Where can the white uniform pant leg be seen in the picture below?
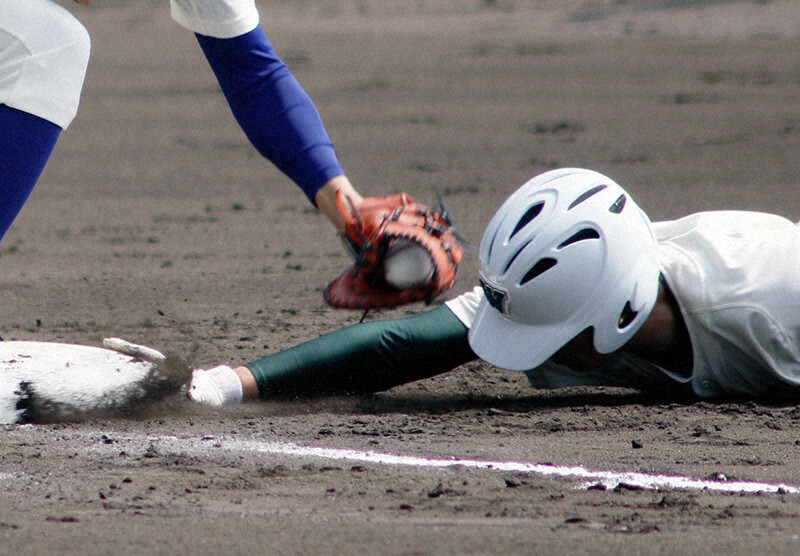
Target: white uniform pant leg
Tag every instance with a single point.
(221, 19)
(44, 52)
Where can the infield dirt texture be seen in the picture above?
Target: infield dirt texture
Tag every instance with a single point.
(157, 222)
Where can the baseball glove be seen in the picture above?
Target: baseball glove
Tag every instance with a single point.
(369, 231)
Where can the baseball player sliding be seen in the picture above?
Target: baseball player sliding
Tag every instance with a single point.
(578, 287)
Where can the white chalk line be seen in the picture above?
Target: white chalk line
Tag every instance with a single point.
(589, 478)
(608, 479)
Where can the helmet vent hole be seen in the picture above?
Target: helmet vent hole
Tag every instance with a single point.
(627, 316)
(529, 215)
(538, 269)
(491, 244)
(584, 234)
(514, 258)
(618, 205)
(585, 195)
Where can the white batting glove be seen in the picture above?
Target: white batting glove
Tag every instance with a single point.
(135, 350)
(218, 386)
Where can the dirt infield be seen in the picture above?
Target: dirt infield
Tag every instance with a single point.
(157, 222)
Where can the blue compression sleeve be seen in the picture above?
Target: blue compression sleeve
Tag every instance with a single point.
(275, 112)
(367, 357)
(26, 142)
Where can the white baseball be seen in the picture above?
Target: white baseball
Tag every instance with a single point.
(407, 265)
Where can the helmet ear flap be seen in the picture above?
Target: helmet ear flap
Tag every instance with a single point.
(638, 303)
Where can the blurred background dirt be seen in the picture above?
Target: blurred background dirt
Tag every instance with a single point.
(156, 221)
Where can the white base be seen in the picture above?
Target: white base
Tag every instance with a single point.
(77, 378)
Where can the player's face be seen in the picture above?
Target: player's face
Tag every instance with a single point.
(579, 354)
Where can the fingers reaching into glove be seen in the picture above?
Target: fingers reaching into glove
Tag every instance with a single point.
(135, 350)
(326, 199)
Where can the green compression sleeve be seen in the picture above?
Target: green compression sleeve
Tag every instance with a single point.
(367, 357)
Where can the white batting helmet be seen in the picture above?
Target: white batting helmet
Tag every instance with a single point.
(569, 250)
